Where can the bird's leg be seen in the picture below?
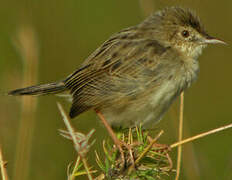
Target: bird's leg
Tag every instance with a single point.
(117, 142)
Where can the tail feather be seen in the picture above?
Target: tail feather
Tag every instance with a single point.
(43, 89)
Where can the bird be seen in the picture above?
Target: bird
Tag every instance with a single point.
(135, 75)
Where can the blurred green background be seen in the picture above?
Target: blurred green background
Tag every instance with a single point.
(42, 41)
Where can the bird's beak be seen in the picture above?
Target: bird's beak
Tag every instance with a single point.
(212, 40)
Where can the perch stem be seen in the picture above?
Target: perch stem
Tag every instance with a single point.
(201, 135)
(179, 153)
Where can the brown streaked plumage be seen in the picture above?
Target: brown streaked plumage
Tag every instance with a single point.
(136, 74)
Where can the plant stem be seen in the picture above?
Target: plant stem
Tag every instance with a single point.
(201, 135)
(86, 168)
(72, 134)
(72, 177)
(3, 169)
(179, 153)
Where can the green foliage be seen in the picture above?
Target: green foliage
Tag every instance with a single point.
(153, 164)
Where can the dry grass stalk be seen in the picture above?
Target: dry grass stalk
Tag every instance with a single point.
(179, 151)
(200, 136)
(80, 141)
(3, 167)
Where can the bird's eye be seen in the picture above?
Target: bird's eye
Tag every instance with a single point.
(185, 33)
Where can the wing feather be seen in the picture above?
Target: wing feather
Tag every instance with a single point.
(118, 69)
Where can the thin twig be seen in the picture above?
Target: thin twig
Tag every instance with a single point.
(87, 168)
(72, 134)
(201, 135)
(179, 153)
(3, 168)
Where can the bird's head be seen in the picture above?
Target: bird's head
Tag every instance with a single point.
(181, 29)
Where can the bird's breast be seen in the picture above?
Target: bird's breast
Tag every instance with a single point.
(145, 109)
(150, 106)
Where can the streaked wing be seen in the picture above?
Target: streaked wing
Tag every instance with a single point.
(119, 69)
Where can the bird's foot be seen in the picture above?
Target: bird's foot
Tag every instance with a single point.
(126, 153)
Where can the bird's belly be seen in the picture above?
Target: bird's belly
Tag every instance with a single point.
(147, 109)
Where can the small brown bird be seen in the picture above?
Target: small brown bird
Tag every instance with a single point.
(137, 73)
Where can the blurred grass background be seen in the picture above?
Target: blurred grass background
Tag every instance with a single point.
(42, 41)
